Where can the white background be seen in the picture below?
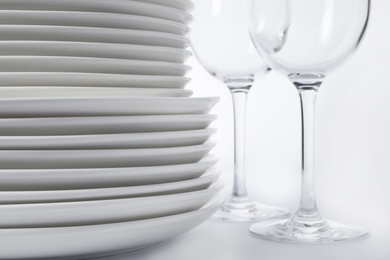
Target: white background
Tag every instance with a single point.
(352, 157)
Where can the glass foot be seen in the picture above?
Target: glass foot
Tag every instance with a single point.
(323, 231)
(248, 211)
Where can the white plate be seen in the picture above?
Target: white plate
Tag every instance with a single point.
(104, 211)
(103, 124)
(185, 5)
(70, 159)
(96, 240)
(90, 80)
(60, 179)
(107, 141)
(51, 107)
(90, 65)
(87, 19)
(93, 50)
(60, 92)
(90, 34)
(101, 6)
(44, 196)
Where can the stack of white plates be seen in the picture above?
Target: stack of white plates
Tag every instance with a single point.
(102, 150)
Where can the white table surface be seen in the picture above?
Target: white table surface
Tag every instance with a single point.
(231, 241)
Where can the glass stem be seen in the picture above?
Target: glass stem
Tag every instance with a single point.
(308, 208)
(239, 97)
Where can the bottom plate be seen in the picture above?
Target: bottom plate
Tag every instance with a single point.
(79, 213)
(97, 240)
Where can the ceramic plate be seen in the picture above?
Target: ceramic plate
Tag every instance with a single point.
(90, 80)
(185, 5)
(96, 240)
(68, 159)
(51, 107)
(90, 65)
(108, 141)
(87, 19)
(101, 6)
(93, 50)
(24, 197)
(59, 92)
(104, 211)
(103, 124)
(60, 179)
(90, 34)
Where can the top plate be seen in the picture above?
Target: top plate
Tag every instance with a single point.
(112, 6)
(88, 19)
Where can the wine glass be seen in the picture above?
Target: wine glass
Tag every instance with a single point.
(305, 40)
(221, 43)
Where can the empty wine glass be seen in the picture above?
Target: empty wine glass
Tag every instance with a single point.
(222, 45)
(305, 40)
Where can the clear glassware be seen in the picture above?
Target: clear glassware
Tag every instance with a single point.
(221, 42)
(305, 40)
